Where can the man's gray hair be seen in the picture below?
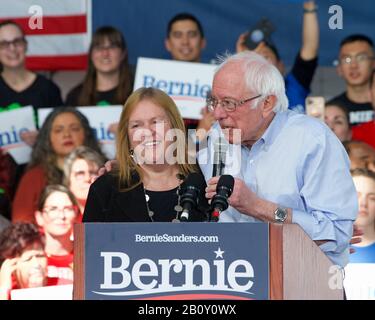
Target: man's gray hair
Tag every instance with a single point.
(260, 76)
(81, 152)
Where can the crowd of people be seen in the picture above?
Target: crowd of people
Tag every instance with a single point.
(307, 182)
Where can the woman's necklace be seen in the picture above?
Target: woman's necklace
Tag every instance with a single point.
(177, 207)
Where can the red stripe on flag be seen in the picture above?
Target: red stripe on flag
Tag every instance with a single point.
(53, 25)
(76, 62)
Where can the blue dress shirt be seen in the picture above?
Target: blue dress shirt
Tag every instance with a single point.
(300, 164)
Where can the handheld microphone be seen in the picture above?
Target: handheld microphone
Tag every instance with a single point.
(224, 190)
(220, 149)
(195, 184)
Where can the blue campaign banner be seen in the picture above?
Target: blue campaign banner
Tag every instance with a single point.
(176, 261)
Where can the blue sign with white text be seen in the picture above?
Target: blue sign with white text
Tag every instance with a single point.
(176, 261)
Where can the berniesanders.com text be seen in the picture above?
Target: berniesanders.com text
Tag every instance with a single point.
(175, 238)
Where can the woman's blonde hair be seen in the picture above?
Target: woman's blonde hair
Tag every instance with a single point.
(127, 166)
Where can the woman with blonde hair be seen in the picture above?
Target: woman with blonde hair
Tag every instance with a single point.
(152, 165)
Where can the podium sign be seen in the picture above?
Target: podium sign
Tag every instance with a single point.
(176, 261)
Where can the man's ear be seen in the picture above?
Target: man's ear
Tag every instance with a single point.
(268, 104)
(203, 43)
(167, 45)
(281, 67)
(339, 71)
(124, 55)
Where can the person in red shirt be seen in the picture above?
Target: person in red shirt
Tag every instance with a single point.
(57, 212)
(23, 262)
(366, 131)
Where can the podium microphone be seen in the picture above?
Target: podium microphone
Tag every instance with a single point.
(195, 184)
(220, 149)
(224, 190)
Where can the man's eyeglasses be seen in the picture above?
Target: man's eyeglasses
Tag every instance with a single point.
(359, 58)
(228, 104)
(53, 212)
(18, 43)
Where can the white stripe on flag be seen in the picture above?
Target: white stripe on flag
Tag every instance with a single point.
(20, 8)
(57, 45)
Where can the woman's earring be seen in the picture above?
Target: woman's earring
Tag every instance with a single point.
(132, 154)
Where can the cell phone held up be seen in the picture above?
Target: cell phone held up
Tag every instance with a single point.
(260, 32)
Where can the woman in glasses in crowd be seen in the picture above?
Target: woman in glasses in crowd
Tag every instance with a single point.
(80, 169)
(57, 212)
(109, 78)
(19, 86)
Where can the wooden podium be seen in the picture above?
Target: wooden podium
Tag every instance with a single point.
(297, 268)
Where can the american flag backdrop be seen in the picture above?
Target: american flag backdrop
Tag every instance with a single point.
(63, 41)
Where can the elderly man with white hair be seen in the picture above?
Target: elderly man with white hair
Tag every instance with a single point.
(290, 167)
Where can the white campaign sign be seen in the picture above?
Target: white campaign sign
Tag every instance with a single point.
(61, 292)
(12, 123)
(187, 83)
(359, 281)
(99, 118)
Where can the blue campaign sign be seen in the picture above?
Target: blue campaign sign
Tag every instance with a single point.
(176, 261)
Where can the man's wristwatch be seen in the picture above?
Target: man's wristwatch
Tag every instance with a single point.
(280, 214)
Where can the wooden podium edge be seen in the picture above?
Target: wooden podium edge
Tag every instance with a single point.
(79, 262)
(306, 268)
(276, 262)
